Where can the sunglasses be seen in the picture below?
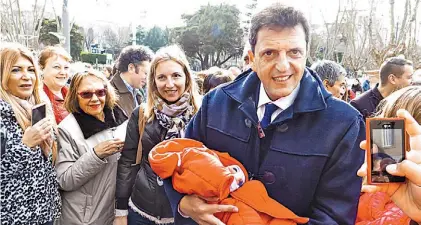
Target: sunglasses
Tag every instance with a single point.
(90, 94)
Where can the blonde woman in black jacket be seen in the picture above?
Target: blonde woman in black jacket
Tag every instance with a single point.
(172, 102)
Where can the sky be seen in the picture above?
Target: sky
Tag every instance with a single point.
(167, 13)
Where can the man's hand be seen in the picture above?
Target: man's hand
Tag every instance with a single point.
(202, 212)
(407, 196)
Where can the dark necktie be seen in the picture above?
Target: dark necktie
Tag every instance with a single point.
(269, 110)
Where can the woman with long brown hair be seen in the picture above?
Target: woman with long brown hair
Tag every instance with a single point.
(29, 189)
(172, 100)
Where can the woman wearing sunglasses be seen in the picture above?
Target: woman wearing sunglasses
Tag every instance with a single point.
(29, 189)
(172, 100)
(89, 150)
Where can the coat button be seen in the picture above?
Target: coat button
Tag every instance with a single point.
(269, 177)
(159, 181)
(248, 123)
(282, 128)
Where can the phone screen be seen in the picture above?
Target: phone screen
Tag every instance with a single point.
(387, 147)
(38, 113)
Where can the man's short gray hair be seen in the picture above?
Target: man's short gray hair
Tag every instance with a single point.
(328, 70)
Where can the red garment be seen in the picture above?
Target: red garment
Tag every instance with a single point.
(58, 104)
(378, 209)
(351, 94)
(196, 169)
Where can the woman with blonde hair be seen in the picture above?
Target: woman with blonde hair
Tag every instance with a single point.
(399, 202)
(29, 190)
(55, 64)
(172, 100)
(91, 138)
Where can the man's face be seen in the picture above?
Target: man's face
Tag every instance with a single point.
(279, 59)
(139, 74)
(338, 89)
(406, 78)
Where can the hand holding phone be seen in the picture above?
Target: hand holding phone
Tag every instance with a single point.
(36, 134)
(406, 195)
(387, 143)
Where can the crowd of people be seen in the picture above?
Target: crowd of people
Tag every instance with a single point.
(296, 131)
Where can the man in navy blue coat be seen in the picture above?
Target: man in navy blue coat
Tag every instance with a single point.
(287, 130)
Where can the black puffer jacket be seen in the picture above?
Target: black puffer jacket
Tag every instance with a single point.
(140, 182)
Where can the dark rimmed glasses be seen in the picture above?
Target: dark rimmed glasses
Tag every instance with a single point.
(89, 94)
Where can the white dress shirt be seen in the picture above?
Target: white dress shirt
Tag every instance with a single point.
(282, 103)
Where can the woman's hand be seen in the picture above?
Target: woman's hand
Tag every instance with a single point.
(407, 196)
(107, 148)
(35, 135)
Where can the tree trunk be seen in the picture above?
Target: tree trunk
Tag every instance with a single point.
(402, 32)
(205, 62)
(14, 28)
(370, 26)
(39, 22)
(414, 22)
(392, 21)
(66, 26)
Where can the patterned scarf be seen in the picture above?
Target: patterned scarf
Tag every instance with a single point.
(173, 117)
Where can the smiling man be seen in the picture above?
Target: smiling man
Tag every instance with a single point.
(281, 123)
(133, 65)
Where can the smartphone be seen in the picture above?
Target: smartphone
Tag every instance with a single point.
(387, 143)
(38, 113)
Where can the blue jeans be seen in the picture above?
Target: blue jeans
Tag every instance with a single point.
(135, 218)
(48, 223)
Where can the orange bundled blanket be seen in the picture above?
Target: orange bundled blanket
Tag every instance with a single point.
(198, 170)
(378, 209)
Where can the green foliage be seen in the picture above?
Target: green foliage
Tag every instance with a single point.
(154, 38)
(92, 58)
(140, 35)
(45, 36)
(212, 35)
(49, 36)
(76, 41)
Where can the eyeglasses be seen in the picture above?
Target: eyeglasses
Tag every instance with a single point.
(90, 94)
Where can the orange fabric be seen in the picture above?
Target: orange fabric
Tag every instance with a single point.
(196, 169)
(378, 209)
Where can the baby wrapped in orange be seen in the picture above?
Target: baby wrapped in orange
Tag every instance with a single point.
(378, 209)
(198, 170)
